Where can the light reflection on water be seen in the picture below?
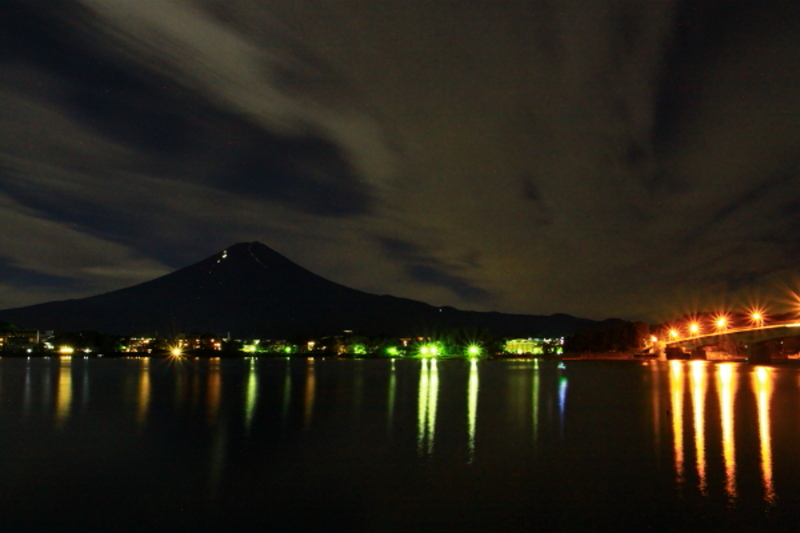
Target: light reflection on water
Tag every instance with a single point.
(763, 384)
(64, 402)
(699, 378)
(535, 401)
(428, 400)
(715, 426)
(251, 394)
(310, 393)
(472, 407)
(214, 388)
(144, 391)
(562, 401)
(727, 387)
(676, 380)
(728, 376)
(391, 399)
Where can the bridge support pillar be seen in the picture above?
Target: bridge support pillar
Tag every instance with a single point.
(699, 353)
(759, 353)
(676, 352)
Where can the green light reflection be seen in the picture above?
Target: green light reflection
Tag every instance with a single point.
(432, 401)
(422, 404)
(535, 401)
(311, 387)
(391, 399)
(251, 395)
(426, 414)
(472, 405)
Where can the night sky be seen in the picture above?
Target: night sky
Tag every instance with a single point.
(635, 159)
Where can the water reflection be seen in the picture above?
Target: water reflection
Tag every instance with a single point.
(655, 395)
(64, 398)
(213, 389)
(472, 407)
(287, 391)
(562, 401)
(310, 392)
(180, 382)
(143, 401)
(699, 387)
(677, 381)
(85, 386)
(713, 458)
(727, 381)
(763, 385)
(47, 390)
(426, 411)
(726, 386)
(535, 401)
(391, 399)
(26, 399)
(251, 394)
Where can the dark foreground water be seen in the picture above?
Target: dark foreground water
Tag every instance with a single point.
(410, 445)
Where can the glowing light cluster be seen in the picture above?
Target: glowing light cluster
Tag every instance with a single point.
(430, 350)
(720, 322)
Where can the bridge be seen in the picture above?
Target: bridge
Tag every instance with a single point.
(761, 341)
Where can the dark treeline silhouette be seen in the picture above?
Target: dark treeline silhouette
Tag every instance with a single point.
(613, 336)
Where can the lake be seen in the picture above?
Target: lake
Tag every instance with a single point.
(267, 444)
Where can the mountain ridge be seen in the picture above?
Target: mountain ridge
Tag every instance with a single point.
(249, 289)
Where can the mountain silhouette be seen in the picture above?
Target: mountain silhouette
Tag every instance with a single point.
(249, 290)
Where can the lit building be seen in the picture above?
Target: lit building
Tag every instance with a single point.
(19, 339)
(531, 346)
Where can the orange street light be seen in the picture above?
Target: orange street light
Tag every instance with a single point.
(721, 323)
(673, 333)
(694, 328)
(757, 318)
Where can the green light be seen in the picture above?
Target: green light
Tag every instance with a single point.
(391, 350)
(473, 350)
(288, 349)
(424, 350)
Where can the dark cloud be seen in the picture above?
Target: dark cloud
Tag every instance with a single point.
(171, 126)
(422, 267)
(438, 276)
(703, 34)
(15, 275)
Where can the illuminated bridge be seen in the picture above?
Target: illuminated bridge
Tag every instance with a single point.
(761, 341)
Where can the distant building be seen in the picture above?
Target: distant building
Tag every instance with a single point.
(532, 346)
(139, 345)
(19, 340)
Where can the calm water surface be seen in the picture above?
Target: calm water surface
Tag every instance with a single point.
(407, 445)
